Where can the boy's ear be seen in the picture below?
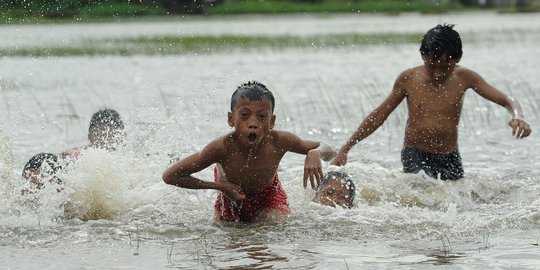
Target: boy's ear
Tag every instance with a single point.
(425, 58)
(230, 119)
(272, 121)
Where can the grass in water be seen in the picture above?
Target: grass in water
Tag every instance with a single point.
(328, 6)
(175, 45)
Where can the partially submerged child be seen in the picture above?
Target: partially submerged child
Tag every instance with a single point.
(247, 160)
(336, 189)
(41, 169)
(106, 131)
(434, 93)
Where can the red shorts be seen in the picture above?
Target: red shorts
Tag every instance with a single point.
(272, 198)
(71, 153)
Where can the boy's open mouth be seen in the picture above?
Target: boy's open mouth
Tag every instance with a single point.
(252, 136)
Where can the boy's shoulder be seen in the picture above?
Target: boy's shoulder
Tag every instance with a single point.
(283, 138)
(73, 152)
(406, 79)
(281, 134)
(463, 71)
(223, 141)
(410, 73)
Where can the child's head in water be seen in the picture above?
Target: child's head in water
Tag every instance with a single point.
(106, 129)
(252, 113)
(337, 188)
(42, 166)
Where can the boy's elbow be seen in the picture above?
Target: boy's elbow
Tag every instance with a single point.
(168, 178)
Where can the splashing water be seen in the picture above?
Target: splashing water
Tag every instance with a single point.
(114, 210)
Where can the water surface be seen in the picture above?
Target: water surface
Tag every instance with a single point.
(177, 104)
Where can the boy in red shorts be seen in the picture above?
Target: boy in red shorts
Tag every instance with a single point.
(247, 160)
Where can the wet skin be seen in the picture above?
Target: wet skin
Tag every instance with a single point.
(37, 178)
(334, 192)
(434, 93)
(248, 158)
(106, 137)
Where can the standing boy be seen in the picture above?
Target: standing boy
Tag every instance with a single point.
(247, 160)
(434, 93)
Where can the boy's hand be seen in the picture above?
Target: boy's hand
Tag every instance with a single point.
(520, 128)
(232, 191)
(340, 160)
(313, 168)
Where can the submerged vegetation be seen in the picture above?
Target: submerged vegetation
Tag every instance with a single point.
(172, 45)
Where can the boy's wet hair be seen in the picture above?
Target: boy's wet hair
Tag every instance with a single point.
(105, 117)
(252, 90)
(36, 162)
(440, 40)
(349, 184)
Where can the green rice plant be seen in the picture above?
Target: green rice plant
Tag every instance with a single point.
(176, 45)
(329, 6)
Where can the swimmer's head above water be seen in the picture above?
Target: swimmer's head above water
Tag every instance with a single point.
(106, 129)
(42, 167)
(337, 188)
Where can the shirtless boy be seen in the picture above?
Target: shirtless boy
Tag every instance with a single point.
(434, 93)
(247, 160)
(106, 131)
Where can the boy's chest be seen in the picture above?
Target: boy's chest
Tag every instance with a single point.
(255, 165)
(447, 96)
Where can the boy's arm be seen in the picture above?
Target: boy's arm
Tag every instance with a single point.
(374, 120)
(314, 151)
(520, 128)
(179, 174)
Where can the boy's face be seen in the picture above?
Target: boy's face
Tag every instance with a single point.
(334, 192)
(107, 137)
(39, 175)
(440, 69)
(252, 120)
(33, 175)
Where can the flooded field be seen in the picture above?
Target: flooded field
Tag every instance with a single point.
(175, 104)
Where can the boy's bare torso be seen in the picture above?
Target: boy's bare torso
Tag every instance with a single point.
(253, 169)
(434, 110)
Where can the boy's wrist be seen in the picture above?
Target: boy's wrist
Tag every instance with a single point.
(314, 150)
(346, 148)
(215, 185)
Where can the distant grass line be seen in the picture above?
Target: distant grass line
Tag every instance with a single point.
(177, 45)
(110, 11)
(329, 6)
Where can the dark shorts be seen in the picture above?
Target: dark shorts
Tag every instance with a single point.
(445, 167)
